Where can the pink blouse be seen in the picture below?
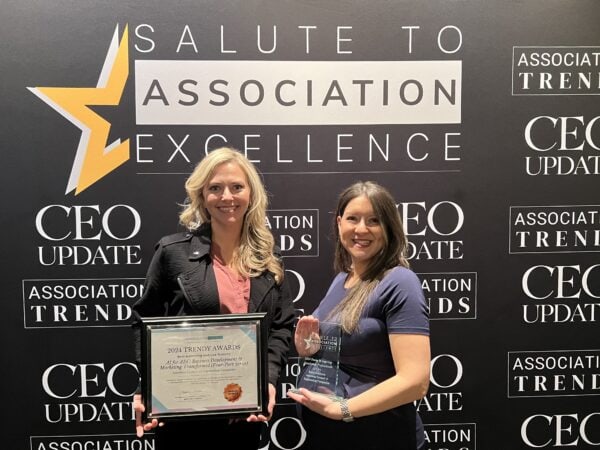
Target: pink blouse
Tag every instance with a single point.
(234, 290)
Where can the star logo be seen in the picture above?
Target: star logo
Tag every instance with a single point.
(307, 343)
(95, 158)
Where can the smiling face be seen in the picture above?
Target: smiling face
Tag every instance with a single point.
(360, 231)
(227, 196)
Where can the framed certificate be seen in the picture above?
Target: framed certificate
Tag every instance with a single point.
(204, 366)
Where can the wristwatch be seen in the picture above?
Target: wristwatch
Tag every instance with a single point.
(346, 414)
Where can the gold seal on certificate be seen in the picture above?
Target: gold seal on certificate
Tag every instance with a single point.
(204, 366)
(232, 392)
(320, 372)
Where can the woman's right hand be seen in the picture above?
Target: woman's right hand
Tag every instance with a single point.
(306, 337)
(138, 407)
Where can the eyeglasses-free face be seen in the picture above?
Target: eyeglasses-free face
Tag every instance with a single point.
(227, 195)
(360, 231)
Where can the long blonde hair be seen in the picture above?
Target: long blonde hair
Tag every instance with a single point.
(392, 253)
(255, 253)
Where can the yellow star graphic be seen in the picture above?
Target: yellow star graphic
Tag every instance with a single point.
(94, 158)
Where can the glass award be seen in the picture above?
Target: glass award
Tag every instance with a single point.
(320, 372)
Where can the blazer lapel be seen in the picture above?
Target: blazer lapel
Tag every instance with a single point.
(259, 287)
(198, 280)
(200, 289)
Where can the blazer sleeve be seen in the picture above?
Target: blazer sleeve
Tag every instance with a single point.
(281, 331)
(151, 303)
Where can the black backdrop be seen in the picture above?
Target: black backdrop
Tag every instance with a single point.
(480, 117)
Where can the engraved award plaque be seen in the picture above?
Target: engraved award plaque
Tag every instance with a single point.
(320, 372)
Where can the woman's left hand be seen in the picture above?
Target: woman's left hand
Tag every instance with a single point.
(270, 406)
(324, 405)
(306, 337)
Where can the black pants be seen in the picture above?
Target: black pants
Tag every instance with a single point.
(196, 434)
(390, 430)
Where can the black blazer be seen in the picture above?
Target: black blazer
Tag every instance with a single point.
(181, 281)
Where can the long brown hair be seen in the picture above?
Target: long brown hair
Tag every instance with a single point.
(392, 253)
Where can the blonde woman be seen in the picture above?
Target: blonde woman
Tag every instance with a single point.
(225, 263)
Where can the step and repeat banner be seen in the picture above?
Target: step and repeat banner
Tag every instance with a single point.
(481, 117)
